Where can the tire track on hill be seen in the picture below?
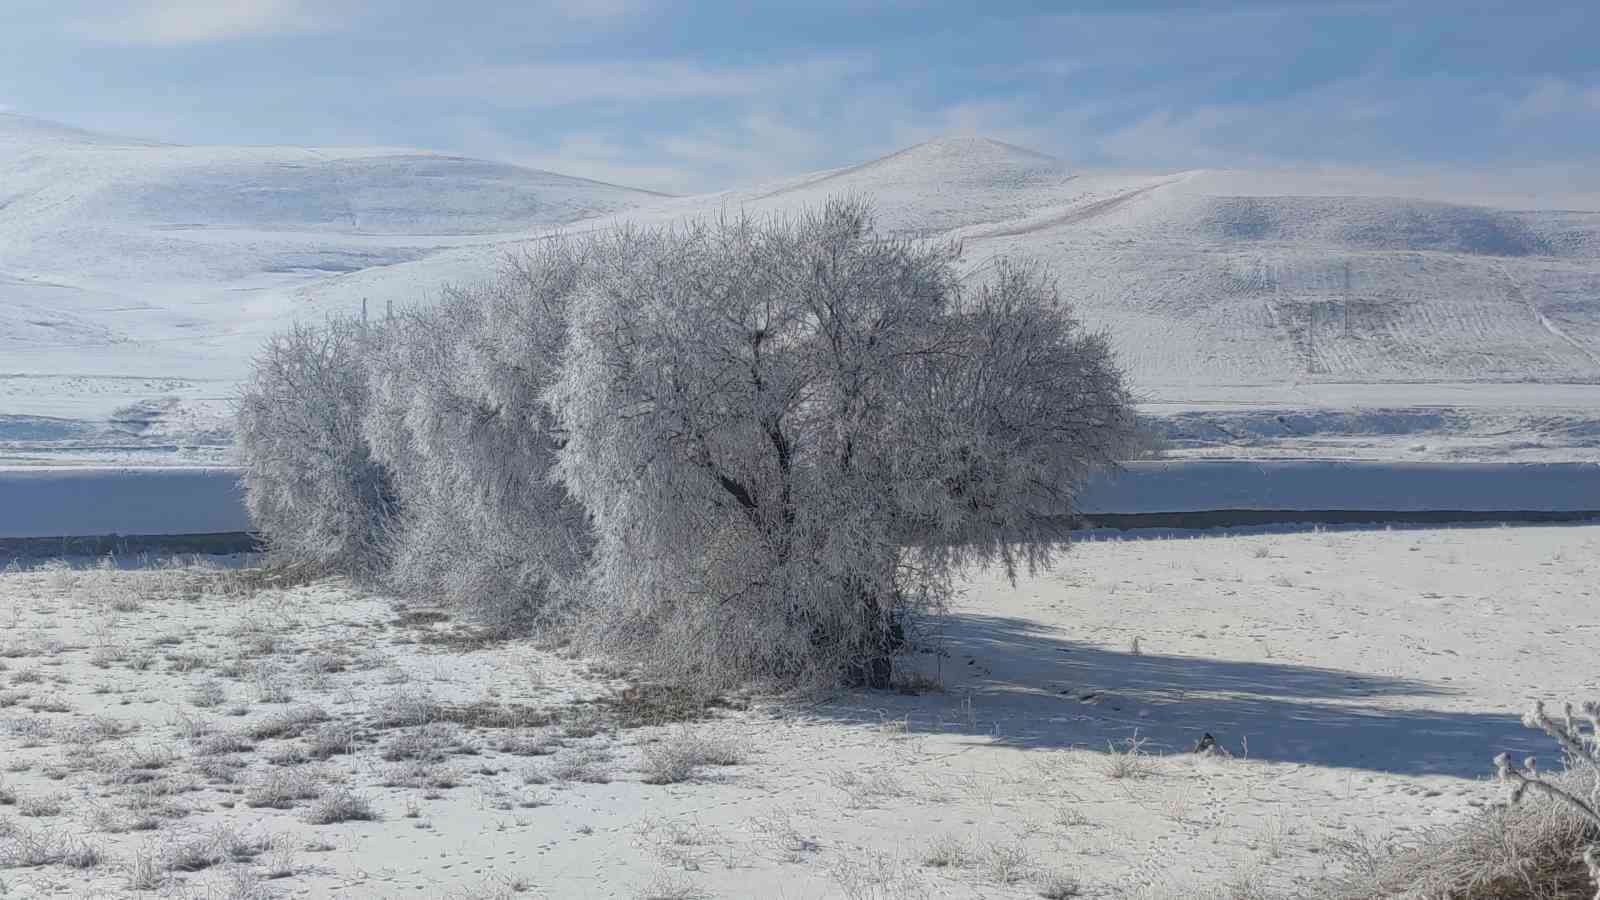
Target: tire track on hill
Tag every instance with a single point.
(869, 165)
(1514, 292)
(1075, 215)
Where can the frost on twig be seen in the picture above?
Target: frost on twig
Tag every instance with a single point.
(1581, 749)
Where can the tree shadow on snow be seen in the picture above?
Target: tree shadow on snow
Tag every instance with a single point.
(1021, 685)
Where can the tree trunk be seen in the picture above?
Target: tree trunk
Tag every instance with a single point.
(884, 635)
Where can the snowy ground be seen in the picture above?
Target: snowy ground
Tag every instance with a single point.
(158, 733)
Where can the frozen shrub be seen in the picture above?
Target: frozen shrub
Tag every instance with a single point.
(341, 806)
(312, 488)
(281, 789)
(458, 416)
(727, 452)
(679, 756)
(791, 435)
(1540, 846)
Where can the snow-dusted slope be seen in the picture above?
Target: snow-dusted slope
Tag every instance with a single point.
(1228, 278)
(121, 257)
(124, 258)
(1222, 277)
(107, 244)
(939, 185)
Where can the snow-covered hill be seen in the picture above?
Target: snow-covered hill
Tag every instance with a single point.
(1217, 277)
(127, 264)
(1230, 288)
(111, 250)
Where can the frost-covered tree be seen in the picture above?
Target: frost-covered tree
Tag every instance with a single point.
(790, 435)
(311, 486)
(729, 451)
(457, 415)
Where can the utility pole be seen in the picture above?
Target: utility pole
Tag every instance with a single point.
(1311, 337)
(1347, 298)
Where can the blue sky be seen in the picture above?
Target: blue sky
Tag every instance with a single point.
(686, 97)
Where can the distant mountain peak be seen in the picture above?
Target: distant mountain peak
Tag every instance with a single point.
(976, 145)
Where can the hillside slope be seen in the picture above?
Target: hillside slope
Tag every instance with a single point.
(1217, 277)
(108, 243)
(1231, 288)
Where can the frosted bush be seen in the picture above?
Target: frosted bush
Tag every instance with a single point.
(1543, 845)
(791, 435)
(311, 486)
(457, 414)
(725, 452)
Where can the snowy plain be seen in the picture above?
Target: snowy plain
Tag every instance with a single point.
(1360, 681)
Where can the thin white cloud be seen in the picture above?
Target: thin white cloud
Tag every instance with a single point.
(1002, 120)
(596, 12)
(196, 21)
(1344, 121)
(549, 84)
(168, 22)
(1198, 136)
(1046, 69)
(1554, 98)
(582, 154)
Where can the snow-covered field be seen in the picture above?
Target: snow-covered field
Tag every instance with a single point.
(1307, 341)
(192, 732)
(1389, 317)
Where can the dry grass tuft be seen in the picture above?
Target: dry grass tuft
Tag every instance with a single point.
(1057, 885)
(341, 805)
(495, 887)
(536, 743)
(208, 694)
(1008, 863)
(432, 743)
(222, 743)
(287, 723)
(1543, 845)
(671, 886)
(947, 852)
(1527, 851)
(143, 872)
(582, 765)
(470, 638)
(332, 739)
(913, 683)
(409, 709)
(679, 756)
(778, 833)
(420, 618)
(24, 848)
(40, 807)
(1130, 761)
(281, 789)
(651, 704)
